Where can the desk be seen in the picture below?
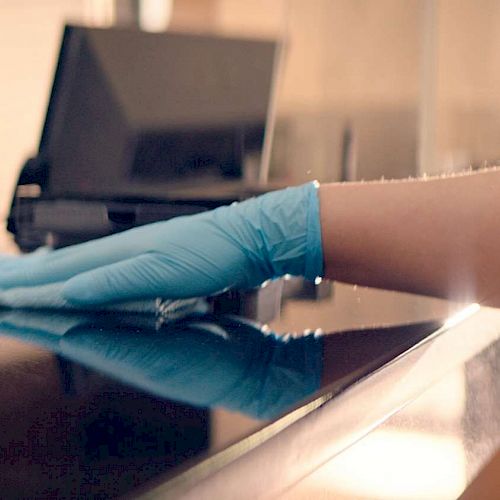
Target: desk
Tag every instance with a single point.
(111, 405)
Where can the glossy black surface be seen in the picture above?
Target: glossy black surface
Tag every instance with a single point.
(100, 404)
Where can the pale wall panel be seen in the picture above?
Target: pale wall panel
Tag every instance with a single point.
(29, 42)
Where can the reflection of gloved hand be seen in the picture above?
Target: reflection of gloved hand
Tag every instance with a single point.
(203, 361)
(238, 246)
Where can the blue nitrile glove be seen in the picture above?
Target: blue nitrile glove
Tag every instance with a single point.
(237, 246)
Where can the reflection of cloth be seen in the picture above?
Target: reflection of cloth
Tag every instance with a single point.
(202, 360)
(50, 297)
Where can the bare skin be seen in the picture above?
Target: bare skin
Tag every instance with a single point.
(439, 236)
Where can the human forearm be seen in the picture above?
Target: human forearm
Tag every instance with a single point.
(437, 237)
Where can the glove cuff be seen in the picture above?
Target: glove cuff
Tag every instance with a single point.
(279, 232)
(314, 256)
(289, 224)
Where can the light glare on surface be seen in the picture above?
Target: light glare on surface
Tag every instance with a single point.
(461, 315)
(393, 464)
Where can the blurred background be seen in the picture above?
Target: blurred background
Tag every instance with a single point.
(368, 88)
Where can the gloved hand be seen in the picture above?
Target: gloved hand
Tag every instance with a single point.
(237, 246)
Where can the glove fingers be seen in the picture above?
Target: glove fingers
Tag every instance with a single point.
(7, 261)
(60, 265)
(144, 277)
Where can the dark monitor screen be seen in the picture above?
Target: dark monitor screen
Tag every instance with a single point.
(136, 114)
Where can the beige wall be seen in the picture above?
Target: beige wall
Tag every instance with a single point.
(468, 82)
(362, 63)
(29, 39)
(346, 63)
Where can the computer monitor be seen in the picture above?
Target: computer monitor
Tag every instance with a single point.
(138, 115)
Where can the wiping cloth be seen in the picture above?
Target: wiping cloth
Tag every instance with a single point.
(50, 297)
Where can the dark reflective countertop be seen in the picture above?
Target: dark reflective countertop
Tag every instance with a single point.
(107, 404)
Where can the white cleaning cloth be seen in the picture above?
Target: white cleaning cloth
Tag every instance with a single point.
(50, 297)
